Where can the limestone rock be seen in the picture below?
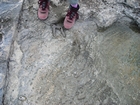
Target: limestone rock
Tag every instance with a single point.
(96, 63)
(9, 16)
(106, 17)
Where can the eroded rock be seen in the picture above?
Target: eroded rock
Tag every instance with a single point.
(88, 66)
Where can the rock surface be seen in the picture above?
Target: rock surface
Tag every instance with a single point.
(97, 63)
(9, 16)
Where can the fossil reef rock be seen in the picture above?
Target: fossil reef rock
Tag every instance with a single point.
(97, 62)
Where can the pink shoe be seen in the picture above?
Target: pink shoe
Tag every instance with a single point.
(43, 9)
(71, 17)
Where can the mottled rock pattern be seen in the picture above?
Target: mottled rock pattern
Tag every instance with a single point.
(9, 16)
(96, 64)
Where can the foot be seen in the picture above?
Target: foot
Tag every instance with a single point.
(43, 9)
(71, 17)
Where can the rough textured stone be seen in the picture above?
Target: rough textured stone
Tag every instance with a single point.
(97, 63)
(9, 16)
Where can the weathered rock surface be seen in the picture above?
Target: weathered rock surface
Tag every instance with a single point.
(97, 63)
(9, 15)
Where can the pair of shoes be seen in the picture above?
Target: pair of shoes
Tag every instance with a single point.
(70, 17)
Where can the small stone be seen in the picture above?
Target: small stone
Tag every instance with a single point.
(81, 96)
(7, 18)
(22, 98)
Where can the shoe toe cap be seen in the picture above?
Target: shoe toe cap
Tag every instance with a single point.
(68, 23)
(42, 14)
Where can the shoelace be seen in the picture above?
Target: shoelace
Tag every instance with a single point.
(43, 4)
(71, 15)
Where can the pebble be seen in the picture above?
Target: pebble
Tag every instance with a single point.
(22, 98)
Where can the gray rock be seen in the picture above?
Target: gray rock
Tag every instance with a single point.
(97, 63)
(106, 17)
(9, 15)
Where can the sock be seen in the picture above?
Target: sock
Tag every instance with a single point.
(74, 5)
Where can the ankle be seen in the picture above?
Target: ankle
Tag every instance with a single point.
(74, 5)
(74, 8)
